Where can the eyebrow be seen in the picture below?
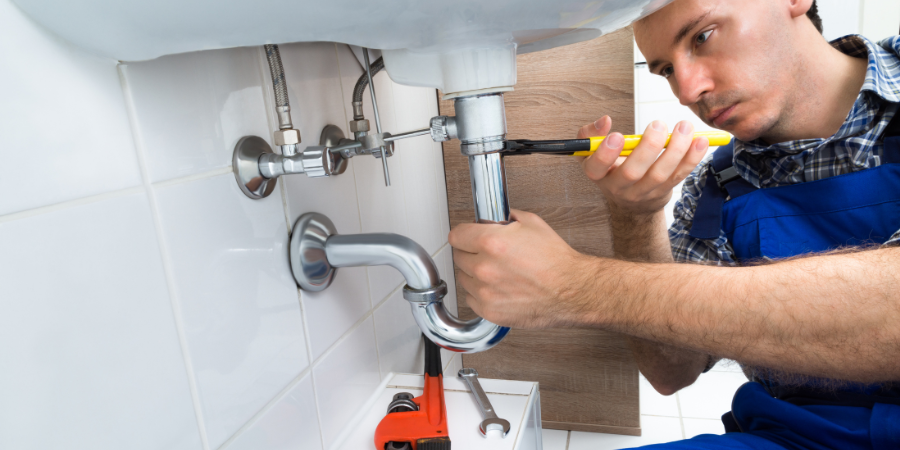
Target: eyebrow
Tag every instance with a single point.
(682, 33)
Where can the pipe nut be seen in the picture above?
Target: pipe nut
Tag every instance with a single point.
(287, 137)
(358, 126)
(434, 294)
(443, 128)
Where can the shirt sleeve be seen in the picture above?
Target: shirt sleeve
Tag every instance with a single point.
(686, 248)
(894, 241)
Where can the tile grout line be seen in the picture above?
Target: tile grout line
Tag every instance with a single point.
(70, 203)
(372, 307)
(168, 271)
(311, 366)
(267, 407)
(194, 177)
(268, 95)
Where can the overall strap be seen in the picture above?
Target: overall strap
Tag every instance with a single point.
(892, 135)
(722, 182)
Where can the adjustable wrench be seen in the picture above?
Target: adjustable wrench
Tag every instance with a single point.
(491, 422)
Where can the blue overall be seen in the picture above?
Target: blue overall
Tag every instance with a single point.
(858, 208)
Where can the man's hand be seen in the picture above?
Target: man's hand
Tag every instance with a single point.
(642, 183)
(520, 275)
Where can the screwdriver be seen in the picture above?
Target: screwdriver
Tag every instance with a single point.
(587, 147)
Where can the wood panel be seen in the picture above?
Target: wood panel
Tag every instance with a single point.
(588, 379)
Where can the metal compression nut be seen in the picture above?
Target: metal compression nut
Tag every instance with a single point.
(287, 137)
(434, 294)
(357, 126)
(443, 128)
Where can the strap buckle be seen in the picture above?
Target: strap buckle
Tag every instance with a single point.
(725, 176)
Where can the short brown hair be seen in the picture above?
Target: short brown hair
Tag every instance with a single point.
(813, 15)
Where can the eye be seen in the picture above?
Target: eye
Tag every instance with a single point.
(667, 71)
(703, 37)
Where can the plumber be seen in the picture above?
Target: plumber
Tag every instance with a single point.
(782, 255)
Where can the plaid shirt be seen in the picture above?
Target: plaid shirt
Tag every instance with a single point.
(856, 146)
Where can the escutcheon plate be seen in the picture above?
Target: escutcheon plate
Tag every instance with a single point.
(309, 264)
(245, 164)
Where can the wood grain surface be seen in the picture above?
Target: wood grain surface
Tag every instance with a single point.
(588, 379)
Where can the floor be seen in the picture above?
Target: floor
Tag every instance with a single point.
(692, 411)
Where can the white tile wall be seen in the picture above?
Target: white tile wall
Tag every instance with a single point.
(192, 108)
(90, 354)
(62, 111)
(291, 424)
(241, 312)
(170, 319)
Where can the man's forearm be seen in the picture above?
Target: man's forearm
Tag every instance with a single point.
(831, 315)
(668, 368)
(640, 238)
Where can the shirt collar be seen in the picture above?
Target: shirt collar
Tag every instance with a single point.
(882, 79)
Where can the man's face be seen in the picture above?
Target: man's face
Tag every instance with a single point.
(731, 61)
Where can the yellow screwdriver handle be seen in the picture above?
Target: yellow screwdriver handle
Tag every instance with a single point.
(716, 138)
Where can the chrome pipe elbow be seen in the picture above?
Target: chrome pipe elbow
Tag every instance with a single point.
(316, 251)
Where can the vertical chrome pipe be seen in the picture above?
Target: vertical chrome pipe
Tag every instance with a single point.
(481, 128)
(489, 188)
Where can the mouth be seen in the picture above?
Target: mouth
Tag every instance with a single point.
(719, 116)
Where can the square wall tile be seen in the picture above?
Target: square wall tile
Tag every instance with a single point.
(290, 424)
(238, 298)
(400, 345)
(91, 356)
(452, 364)
(330, 313)
(710, 396)
(192, 108)
(345, 379)
(555, 439)
(317, 100)
(653, 88)
(64, 107)
(382, 209)
(655, 404)
(696, 427)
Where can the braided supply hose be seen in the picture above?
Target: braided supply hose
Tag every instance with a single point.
(282, 104)
(360, 88)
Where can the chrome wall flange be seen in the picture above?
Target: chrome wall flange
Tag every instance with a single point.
(257, 168)
(245, 163)
(309, 263)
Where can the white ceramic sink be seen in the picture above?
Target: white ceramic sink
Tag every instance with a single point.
(454, 45)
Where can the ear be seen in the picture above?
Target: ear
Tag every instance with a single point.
(798, 8)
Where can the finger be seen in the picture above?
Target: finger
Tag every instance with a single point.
(464, 261)
(465, 236)
(660, 173)
(644, 155)
(597, 165)
(522, 216)
(688, 163)
(691, 159)
(600, 127)
(469, 284)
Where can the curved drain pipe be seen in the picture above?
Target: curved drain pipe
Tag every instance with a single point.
(317, 251)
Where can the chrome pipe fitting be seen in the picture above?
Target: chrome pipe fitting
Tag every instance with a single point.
(257, 168)
(316, 251)
(480, 126)
(480, 123)
(488, 176)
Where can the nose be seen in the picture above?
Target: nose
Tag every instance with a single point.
(691, 82)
